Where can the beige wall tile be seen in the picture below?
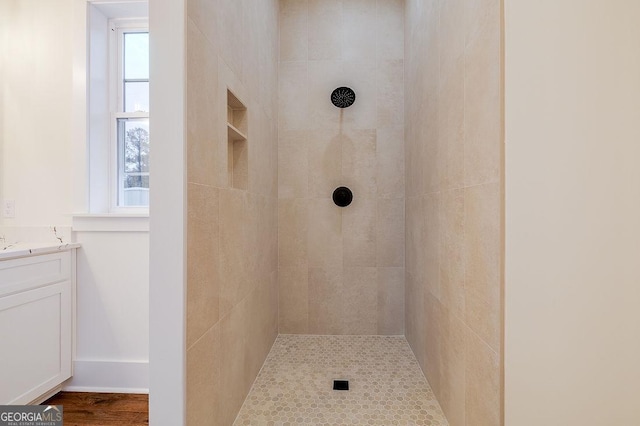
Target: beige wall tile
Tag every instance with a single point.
(390, 82)
(482, 379)
(359, 162)
(293, 95)
(483, 317)
(359, 233)
(453, 364)
(434, 331)
(390, 241)
(482, 241)
(202, 108)
(325, 37)
(415, 320)
(451, 126)
(359, 30)
(341, 150)
(203, 283)
(230, 21)
(390, 180)
(390, 29)
(359, 301)
(391, 301)
(452, 285)
(294, 30)
(293, 164)
(432, 244)
(325, 163)
(324, 77)
(203, 377)
(234, 243)
(232, 364)
(324, 241)
(294, 300)
(482, 92)
(325, 300)
(361, 76)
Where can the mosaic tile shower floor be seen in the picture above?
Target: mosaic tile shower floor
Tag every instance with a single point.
(295, 386)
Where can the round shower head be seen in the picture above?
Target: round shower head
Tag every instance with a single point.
(343, 97)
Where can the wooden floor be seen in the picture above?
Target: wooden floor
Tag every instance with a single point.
(103, 409)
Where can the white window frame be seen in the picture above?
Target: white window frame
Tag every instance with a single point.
(117, 29)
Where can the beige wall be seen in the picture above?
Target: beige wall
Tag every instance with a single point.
(572, 316)
(341, 269)
(232, 295)
(453, 210)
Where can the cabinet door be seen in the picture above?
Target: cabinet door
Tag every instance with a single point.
(35, 342)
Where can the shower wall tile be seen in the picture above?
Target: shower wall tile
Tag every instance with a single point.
(203, 376)
(203, 283)
(390, 233)
(232, 363)
(391, 301)
(452, 373)
(326, 300)
(361, 77)
(232, 235)
(482, 260)
(483, 92)
(451, 116)
(482, 381)
(293, 104)
(323, 77)
(293, 181)
(202, 109)
(359, 30)
(294, 300)
(293, 226)
(453, 206)
(390, 83)
(452, 272)
(294, 30)
(390, 29)
(359, 164)
(358, 44)
(324, 236)
(390, 176)
(359, 236)
(359, 301)
(324, 162)
(325, 29)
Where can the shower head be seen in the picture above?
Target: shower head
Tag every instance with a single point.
(343, 97)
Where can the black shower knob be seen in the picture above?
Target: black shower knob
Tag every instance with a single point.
(342, 196)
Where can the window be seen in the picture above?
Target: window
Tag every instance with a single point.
(129, 94)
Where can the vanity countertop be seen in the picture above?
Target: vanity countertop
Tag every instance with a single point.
(12, 251)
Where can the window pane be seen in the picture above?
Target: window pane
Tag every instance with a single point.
(136, 97)
(133, 159)
(136, 56)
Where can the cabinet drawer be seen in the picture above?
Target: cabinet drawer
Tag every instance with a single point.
(34, 271)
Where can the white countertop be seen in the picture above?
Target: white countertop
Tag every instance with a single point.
(11, 251)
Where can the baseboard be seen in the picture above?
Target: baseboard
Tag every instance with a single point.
(109, 376)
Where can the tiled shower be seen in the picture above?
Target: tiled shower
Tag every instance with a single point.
(416, 254)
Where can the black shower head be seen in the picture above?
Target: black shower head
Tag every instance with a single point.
(343, 97)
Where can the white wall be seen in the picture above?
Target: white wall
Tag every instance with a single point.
(572, 342)
(36, 128)
(43, 168)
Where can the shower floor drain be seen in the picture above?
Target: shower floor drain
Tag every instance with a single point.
(341, 385)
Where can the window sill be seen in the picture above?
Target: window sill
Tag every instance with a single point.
(110, 223)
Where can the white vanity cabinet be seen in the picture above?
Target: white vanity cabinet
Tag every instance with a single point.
(37, 313)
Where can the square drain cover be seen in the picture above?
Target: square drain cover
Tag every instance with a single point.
(341, 385)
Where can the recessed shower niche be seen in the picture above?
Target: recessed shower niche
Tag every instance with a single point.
(238, 157)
